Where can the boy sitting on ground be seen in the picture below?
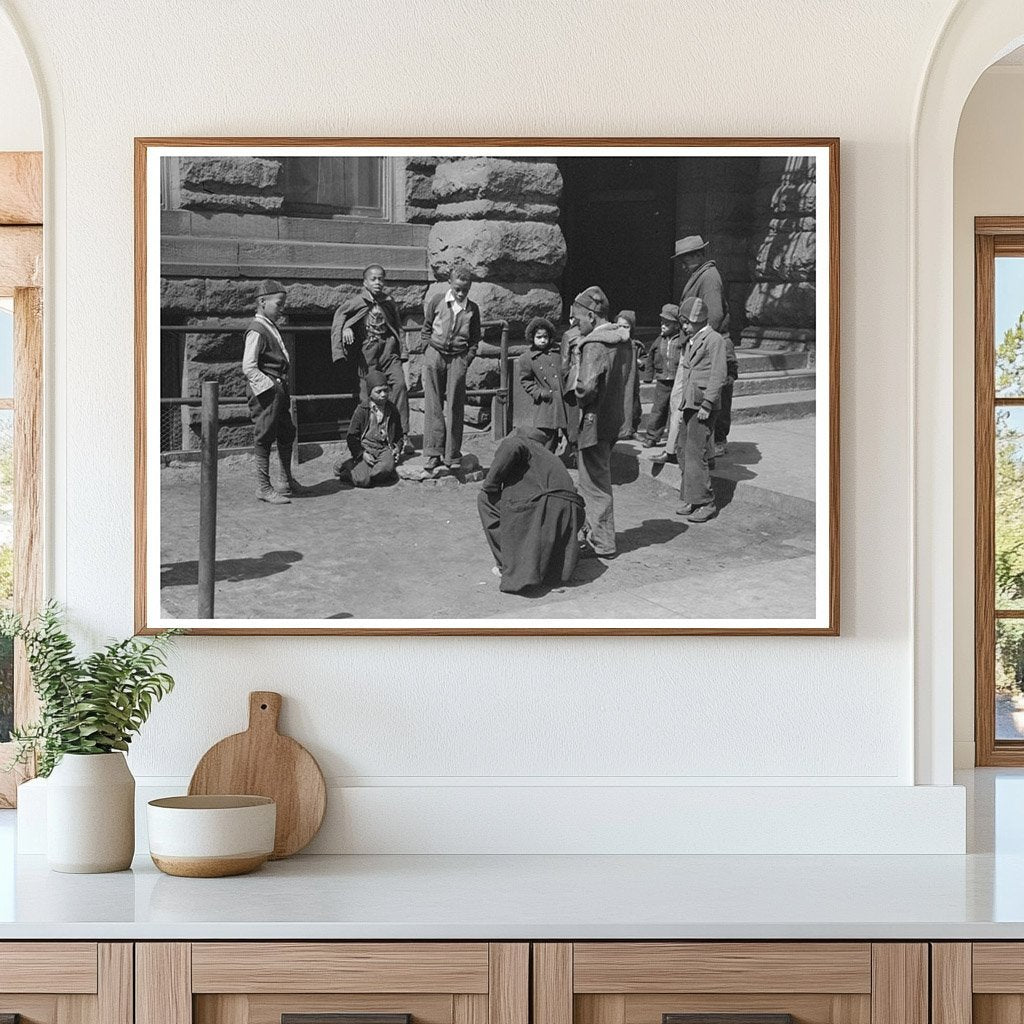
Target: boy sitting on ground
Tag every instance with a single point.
(374, 435)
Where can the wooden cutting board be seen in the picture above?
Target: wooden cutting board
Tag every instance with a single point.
(262, 762)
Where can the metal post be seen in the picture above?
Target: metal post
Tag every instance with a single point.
(210, 420)
(501, 403)
(293, 408)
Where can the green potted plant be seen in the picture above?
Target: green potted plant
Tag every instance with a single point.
(89, 710)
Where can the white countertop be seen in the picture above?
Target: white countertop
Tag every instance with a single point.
(517, 897)
(977, 896)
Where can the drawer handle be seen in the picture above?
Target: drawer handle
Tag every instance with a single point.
(339, 1018)
(727, 1018)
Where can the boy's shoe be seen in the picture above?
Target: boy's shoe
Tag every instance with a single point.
(272, 497)
(685, 509)
(649, 442)
(664, 458)
(702, 513)
(432, 463)
(720, 449)
(455, 462)
(408, 449)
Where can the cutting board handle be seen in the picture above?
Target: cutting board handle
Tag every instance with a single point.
(264, 710)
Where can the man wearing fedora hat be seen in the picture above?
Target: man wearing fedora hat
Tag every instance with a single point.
(604, 393)
(265, 366)
(703, 279)
(700, 379)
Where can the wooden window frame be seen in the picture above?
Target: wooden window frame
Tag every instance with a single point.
(21, 278)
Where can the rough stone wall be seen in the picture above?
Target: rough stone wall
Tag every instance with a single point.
(780, 309)
(241, 184)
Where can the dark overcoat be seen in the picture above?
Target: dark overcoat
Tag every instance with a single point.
(531, 513)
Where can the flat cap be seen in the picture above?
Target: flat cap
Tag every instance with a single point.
(670, 311)
(269, 287)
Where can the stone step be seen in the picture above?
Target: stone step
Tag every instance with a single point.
(766, 382)
(774, 381)
(779, 405)
(759, 361)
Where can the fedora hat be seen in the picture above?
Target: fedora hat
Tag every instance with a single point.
(691, 243)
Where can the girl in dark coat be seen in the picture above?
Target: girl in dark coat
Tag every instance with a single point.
(542, 377)
(531, 513)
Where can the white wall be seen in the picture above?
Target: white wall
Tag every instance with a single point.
(988, 182)
(426, 716)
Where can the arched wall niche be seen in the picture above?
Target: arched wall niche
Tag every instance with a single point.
(976, 34)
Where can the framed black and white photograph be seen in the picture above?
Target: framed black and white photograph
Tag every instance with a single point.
(499, 386)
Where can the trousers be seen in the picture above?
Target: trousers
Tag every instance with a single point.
(659, 414)
(444, 403)
(382, 470)
(595, 484)
(693, 449)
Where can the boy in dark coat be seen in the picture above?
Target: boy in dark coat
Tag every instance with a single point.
(627, 319)
(663, 363)
(265, 366)
(540, 372)
(531, 513)
(375, 435)
(368, 328)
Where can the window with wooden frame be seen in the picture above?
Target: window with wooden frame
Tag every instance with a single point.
(21, 365)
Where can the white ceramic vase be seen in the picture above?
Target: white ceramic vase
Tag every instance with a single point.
(90, 814)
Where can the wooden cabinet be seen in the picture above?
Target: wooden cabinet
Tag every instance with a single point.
(308, 982)
(652, 982)
(978, 983)
(66, 982)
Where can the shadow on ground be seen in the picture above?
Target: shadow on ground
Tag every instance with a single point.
(229, 570)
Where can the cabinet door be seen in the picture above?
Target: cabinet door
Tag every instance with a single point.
(730, 983)
(66, 983)
(332, 983)
(981, 982)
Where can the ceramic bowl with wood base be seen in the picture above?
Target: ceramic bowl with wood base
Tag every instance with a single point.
(211, 836)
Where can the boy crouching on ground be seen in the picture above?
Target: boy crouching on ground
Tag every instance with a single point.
(540, 372)
(375, 435)
(265, 365)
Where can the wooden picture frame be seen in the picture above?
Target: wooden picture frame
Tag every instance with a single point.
(200, 194)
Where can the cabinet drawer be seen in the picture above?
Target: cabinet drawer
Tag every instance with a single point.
(332, 983)
(66, 982)
(730, 983)
(65, 967)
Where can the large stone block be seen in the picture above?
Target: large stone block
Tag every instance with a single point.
(240, 184)
(234, 427)
(518, 303)
(498, 250)
(483, 373)
(227, 347)
(230, 173)
(228, 375)
(496, 209)
(419, 189)
(490, 178)
(781, 305)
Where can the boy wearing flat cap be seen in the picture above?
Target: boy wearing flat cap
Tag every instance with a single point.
(699, 380)
(265, 365)
(627, 319)
(663, 362)
(604, 394)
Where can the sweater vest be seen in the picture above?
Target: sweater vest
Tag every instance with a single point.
(270, 357)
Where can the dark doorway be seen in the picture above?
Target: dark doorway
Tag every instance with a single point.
(618, 217)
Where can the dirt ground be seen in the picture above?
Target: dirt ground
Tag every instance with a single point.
(416, 550)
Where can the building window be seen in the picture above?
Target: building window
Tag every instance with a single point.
(999, 491)
(351, 186)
